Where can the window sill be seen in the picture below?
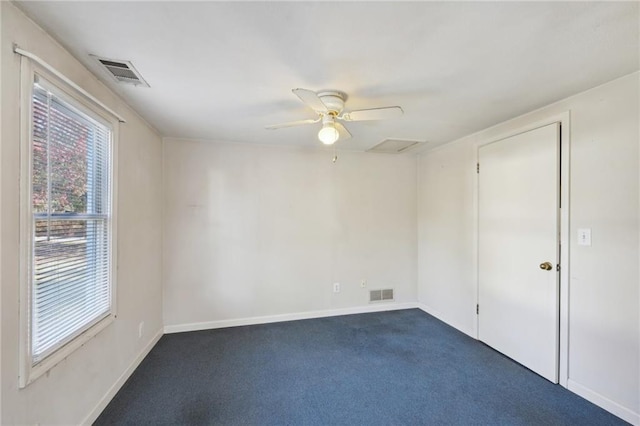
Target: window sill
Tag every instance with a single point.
(29, 372)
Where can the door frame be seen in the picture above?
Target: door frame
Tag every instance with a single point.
(564, 119)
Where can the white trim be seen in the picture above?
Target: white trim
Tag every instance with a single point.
(564, 118)
(604, 402)
(102, 404)
(62, 77)
(565, 232)
(209, 325)
(29, 69)
(438, 315)
(113, 216)
(26, 88)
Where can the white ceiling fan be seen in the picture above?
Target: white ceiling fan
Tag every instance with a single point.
(329, 106)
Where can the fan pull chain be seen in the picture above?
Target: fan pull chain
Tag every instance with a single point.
(335, 154)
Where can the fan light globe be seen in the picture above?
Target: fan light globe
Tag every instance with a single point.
(328, 135)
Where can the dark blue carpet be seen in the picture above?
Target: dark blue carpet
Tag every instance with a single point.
(389, 368)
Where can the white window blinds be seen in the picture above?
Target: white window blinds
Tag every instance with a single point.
(70, 282)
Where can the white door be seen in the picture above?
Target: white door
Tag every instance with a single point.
(518, 246)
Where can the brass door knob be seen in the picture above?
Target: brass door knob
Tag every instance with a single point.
(547, 266)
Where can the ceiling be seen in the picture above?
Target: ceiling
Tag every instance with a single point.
(224, 70)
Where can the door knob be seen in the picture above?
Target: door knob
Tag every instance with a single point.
(547, 266)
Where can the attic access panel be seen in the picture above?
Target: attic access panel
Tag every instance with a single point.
(396, 146)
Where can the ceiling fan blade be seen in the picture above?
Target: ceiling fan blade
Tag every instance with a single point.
(342, 131)
(311, 99)
(292, 124)
(373, 114)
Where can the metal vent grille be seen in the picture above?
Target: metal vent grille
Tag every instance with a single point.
(122, 71)
(380, 295)
(396, 146)
(387, 294)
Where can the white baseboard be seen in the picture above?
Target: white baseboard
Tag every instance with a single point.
(604, 402)
(208, 325)
(93, 415)
(445, 320)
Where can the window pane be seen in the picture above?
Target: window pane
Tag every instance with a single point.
(68, 163)
(39, 145)
(71, 282)
(71, 285)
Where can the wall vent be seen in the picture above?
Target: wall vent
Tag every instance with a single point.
(381, 295)
(122, 71)
(396, 146)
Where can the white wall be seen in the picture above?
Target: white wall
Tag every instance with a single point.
(73, 388)
(446, 255)
(254, 231)
(604, 288)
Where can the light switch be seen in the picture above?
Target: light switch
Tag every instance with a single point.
(584, 237)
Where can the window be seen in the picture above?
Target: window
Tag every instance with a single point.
(68, 293)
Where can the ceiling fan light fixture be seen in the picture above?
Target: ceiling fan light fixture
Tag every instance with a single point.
(329, 107)
(328, 135)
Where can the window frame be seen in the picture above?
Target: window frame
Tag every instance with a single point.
(29, 371)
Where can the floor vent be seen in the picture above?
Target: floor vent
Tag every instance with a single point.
(122, 71)
(381, 295)
(396, 146)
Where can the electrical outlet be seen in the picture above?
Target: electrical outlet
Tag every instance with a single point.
(336, 287)
(140, 329)
(363, 283)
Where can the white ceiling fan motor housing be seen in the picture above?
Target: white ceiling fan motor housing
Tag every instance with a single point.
(333, 100)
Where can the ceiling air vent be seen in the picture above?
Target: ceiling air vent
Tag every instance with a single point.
(122, 71)
(381, 295)
(396, 146)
